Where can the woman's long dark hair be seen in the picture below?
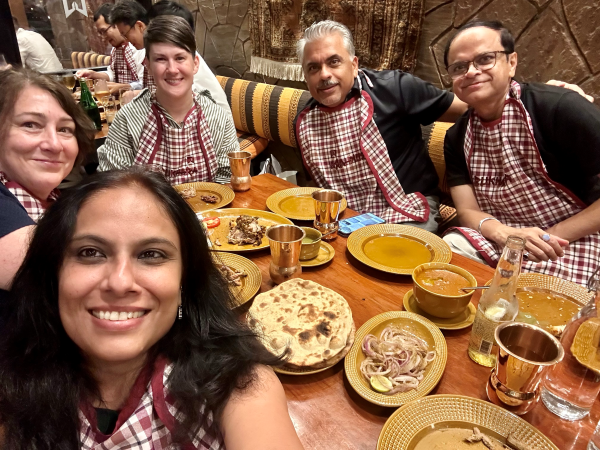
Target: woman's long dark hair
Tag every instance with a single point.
(42, 373)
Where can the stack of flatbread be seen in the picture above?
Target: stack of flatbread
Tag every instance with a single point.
(312, 320)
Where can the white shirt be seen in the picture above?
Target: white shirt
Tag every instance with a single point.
(206, 80)
(36, 52)
(138, 58)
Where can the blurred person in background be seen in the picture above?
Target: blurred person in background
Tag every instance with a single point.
(126, 69)
(36, 52)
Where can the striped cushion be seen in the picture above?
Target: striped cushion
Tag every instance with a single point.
(251, 143)
(264, 109)
(434, 135)
(88, 59)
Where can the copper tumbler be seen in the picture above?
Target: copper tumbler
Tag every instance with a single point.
(328, 204)
(524, 352)
(285, 242)
(240, 170)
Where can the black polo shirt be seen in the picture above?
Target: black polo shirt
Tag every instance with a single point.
(402, 103)
(12, 217)
(566, 128)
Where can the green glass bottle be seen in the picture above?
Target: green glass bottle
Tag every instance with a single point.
(89, 105)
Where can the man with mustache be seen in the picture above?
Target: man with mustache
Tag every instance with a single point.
(361, 132)
(523, 161)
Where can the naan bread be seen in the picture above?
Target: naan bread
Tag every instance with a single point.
(313, 320)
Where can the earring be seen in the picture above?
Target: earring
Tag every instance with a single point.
(180, 312)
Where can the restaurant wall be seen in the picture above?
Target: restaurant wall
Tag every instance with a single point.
(223, 39)
(557, 39)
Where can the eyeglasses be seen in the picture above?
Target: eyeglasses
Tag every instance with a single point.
(126, 33)
(483, 61)
(104, 31)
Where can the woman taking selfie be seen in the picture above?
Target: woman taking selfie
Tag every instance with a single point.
(130, 338)
(43, 133)
(182, 131)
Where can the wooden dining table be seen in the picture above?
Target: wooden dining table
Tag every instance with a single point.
(326, 411)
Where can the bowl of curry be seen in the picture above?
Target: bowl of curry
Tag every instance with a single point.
(437, 289)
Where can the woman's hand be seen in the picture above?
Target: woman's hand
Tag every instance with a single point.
(540, 245)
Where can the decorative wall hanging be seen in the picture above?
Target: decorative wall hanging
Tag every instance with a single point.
(386, 32)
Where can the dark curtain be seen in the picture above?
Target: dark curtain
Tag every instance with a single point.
(8, 39)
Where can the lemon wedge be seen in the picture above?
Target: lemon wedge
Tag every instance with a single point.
(381, 384)
(586, 344)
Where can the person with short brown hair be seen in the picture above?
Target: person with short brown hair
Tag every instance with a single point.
(175, 127)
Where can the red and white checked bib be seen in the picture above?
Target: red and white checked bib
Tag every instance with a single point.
(34, 207)
(146, 421)
(511, 183)
(148, 79)
(343, 150)
(122, 64)
(185, 154)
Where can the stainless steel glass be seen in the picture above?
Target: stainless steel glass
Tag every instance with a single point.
(285, 242)
(524, 352)
(327, 204)
(240, 170)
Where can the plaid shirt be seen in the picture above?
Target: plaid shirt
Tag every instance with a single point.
(34, 207)
(511, 183)
(123, 64)
(148, 79)
(148, 423)
(185, 153)
(343, 150)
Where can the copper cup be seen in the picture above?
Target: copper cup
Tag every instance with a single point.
(240, 170)
(524, 352)
(328, 204)
(285, 242)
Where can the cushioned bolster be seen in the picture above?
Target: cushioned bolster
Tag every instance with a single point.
(251, 143)
(434, 135)
(264, 109)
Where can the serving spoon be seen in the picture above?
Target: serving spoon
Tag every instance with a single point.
(473, 288)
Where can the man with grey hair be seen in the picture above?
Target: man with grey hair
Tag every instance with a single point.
(361, 133)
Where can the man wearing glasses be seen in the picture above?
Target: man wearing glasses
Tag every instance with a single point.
(126, 68)
(524, 160)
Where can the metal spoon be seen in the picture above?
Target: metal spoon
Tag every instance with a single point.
(473, 288)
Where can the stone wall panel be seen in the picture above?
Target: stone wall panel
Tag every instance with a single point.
(466, 9)
(514, 14)
(583, 17)
(434, 25)
(548, 52)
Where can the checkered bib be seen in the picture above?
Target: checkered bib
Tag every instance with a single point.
(148, 424)
(511, 183)
(122, 64)
(185, 154)
(148, 79)
(343, 150)
(34, 207)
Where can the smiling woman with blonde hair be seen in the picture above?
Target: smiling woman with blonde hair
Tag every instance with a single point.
(181, 130)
